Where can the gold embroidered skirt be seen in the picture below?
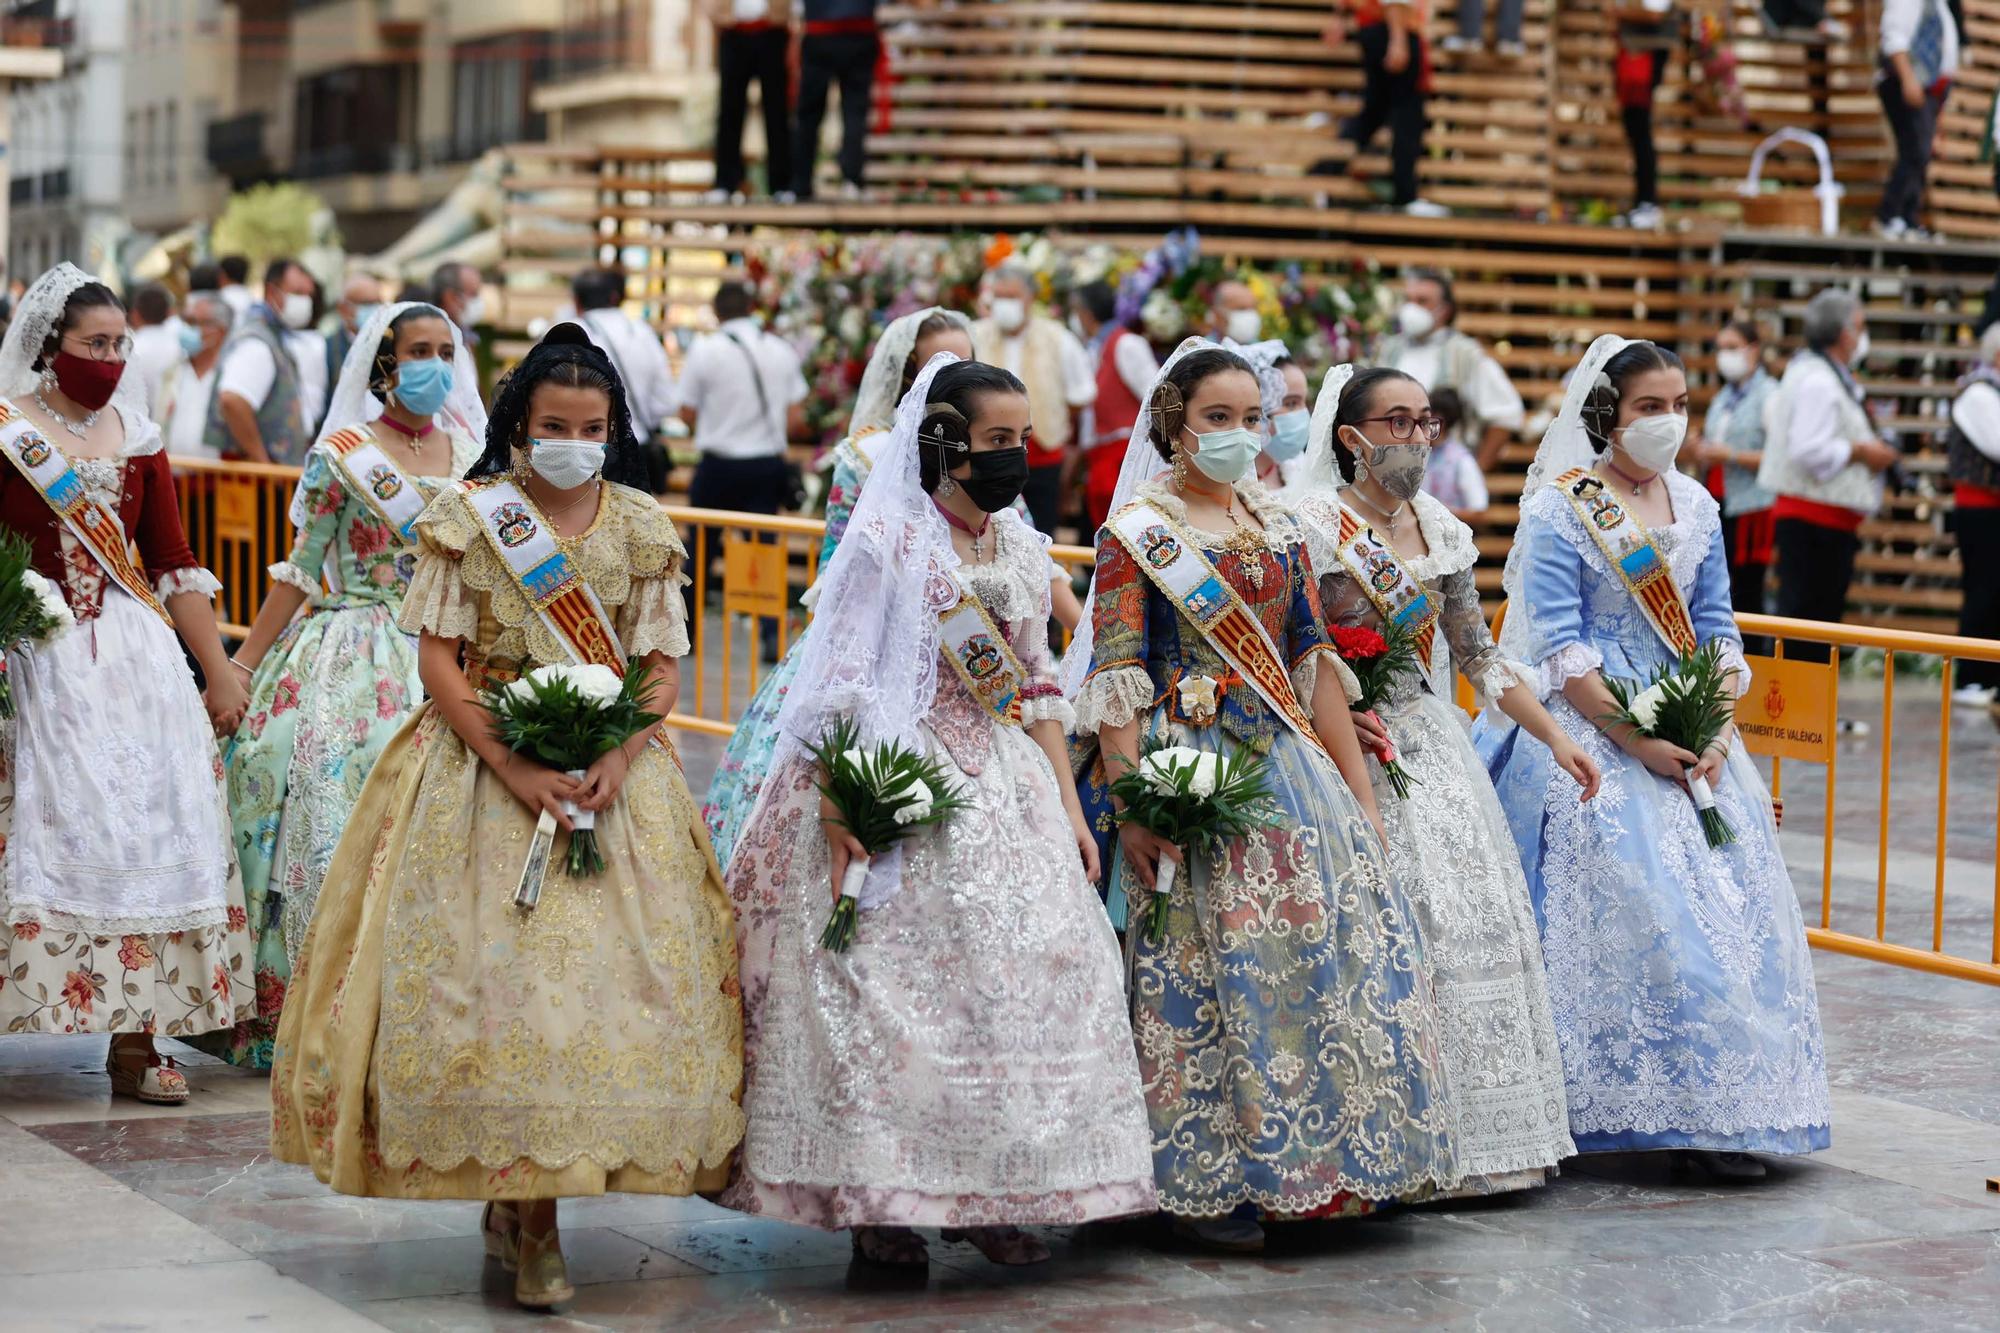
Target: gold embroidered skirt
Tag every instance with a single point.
(441, 1043)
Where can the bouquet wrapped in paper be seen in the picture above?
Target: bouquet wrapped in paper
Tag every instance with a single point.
(32, 609)
(1194, 799)
(567, 717)
(881, 796)
(1688, 705)
(1377, 657)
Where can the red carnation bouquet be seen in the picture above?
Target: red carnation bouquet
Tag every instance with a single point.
(1377, 657)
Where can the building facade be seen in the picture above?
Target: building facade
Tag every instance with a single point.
(67, 149)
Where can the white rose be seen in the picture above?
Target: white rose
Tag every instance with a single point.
(1205, 775)
(598, 684)
(1646, 708)
(857, 758)
(916, 803)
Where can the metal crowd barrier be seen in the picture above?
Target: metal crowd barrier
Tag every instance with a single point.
(755, 567)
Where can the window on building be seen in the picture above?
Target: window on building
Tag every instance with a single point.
(171, 155)
(491, 82)
(350, 120)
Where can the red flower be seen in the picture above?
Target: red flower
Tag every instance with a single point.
(135, 953)
(238, 918)
(78, 992)
(221, 983)
(270, 991)
(367, 538)
(27, 930)
(1358, 643)
(286, 696)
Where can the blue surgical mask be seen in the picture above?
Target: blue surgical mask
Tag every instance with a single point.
(363, 313)
(422, 386)
(1226, 455)
(1290, 433)
(190, 336)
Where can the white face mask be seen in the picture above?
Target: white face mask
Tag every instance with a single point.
(565, 464)
(1734, 363)
(1861, 347)
(1414, 320)
(1654, 442)
(1244, 326)
(1076, 327)
(472, 312)
(1010, 313)
(297, 312)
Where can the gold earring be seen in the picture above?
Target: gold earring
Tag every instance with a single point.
(1180, 467)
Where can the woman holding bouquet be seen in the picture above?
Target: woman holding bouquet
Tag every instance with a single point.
(966, 1062)
(1287, 1036)
(120, 907)
(329, 688)
(440, 1042)
(1395, 563)
(1683, 992)
(905, 347)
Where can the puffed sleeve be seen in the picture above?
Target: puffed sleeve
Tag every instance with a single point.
(319, 500)
(438, 601)
(653, 618)
(163, 544)
(1472, 647)
(1118, 687)
(1344, 607)
(1307, 648)
(1554, 588)
(1041, 697)
(1713, 614)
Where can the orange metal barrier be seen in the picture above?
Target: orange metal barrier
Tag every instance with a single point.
(236, 520)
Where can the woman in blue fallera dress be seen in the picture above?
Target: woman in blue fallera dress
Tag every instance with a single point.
(1683, 993)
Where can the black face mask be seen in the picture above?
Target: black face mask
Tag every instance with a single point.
(997, 479)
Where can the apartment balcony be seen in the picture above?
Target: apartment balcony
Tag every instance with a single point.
(237, 149)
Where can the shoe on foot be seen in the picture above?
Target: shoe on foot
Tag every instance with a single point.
(145, 1076)
(1424, 208)
(785, 197)
(854, 193)
(1645, 217)
(1232, 1235)
(1457, 45)
(500, 1228)
(1001, 1245)
(1726, 1168)
(543, 1278)
(891, 1247)
(1892, 229)
(1852, 726)
(1515, 50)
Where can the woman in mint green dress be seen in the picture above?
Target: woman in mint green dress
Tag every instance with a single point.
(900, 352)
(329, 687)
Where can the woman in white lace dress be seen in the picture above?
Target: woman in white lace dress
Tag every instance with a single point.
(1386, 552)
(1682, 987)
(967, 1062)
(120, 907)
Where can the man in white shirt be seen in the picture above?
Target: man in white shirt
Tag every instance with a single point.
(1972, 455)
(741, 390)
(235, 288)
(633, 347)
(156, 342)
(1428, 348)
(185, 399)
(1920, 55)
(308, 349)
(1061, 382)
(257, 409)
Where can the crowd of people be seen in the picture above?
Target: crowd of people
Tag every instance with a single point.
(1445, 963)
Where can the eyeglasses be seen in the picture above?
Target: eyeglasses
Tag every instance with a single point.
(1405, 427)
(104, 347)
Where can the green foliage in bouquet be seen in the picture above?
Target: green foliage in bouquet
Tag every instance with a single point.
(1195, 799)
(32, 609)
(1689, 705)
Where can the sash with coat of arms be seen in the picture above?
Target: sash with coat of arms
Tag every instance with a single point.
(980, 653)
(373, 476)
(552, 582)
(1398, 596)
(1629, 549)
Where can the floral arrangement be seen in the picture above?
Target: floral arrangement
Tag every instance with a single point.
(567, 717)
(881, 796)
(1377, 657)
(1194, 799)
(32, 609)
(1688, 705)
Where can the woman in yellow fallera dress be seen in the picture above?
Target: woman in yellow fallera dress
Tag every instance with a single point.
(440, 1042)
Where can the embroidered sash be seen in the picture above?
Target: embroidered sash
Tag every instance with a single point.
(981, 655)
(49, 472)
(1629, 547)
(552, 582)
(1172, 560)
(1396, 594)
(372, 476)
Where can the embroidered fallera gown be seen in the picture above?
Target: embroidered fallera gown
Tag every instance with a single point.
(732, 792)
(1453, 853)
(1287, 1035)
(1682, 988)
(121, 909)
(326, 698)
(967, 1060)
(439, 1041)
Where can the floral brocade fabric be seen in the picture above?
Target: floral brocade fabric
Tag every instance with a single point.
(440, 1042)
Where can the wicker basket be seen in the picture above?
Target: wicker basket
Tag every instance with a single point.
(1817, 209)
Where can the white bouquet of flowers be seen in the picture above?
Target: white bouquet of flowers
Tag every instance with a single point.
(32, 609)
(1194, 799)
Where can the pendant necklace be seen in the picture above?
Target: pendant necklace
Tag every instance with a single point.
(978, 536)
(76, 428)
(414, 440)
(1638, 487)
(553, 514)
(1392, 517)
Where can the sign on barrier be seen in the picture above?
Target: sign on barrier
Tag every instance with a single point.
(753, 577)
(235, 509)
(1788, 711)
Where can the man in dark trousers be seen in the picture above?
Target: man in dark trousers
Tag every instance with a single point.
(840, 44)
(752, 40)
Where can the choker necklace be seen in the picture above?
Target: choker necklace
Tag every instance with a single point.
(553, 514)
(1394, 516)
(977, 536)
(416, 437)
(1638, 487)
(76, 428)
